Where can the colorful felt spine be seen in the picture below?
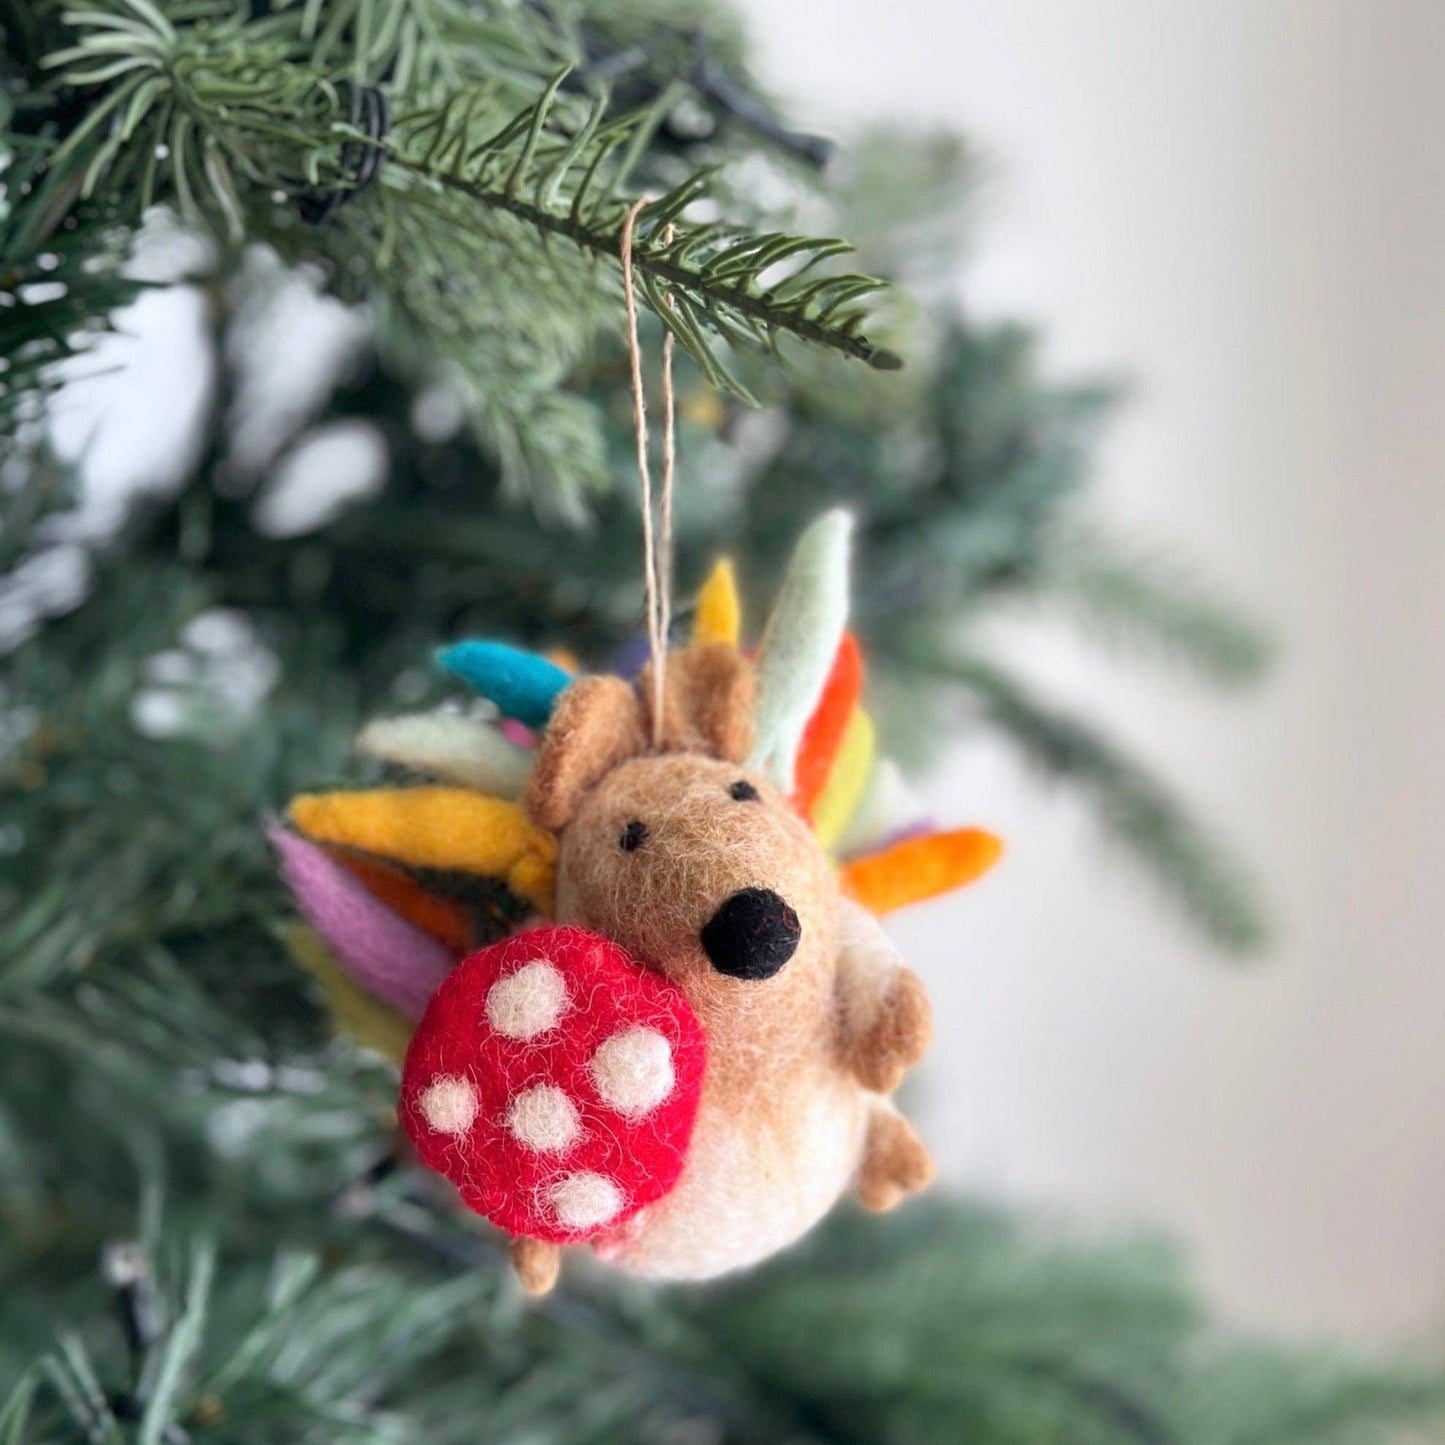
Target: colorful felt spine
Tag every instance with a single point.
(920, 868)
(888, 808)
(354, 1011)
(826, 728)
(846, 782)
(719, 614)
(523, 685)
(453, 747)
(384, 954)
(800, 643)
(437, 828)
(449, 922)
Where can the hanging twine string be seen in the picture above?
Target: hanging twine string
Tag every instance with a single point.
(656, 538)
(669, 466)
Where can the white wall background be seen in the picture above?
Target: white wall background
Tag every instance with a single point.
(1242, 205)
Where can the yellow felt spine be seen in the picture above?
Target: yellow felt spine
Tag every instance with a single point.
(355, 1012)
(449, 828)
(846, 783)
(919, 868)
(719, 614)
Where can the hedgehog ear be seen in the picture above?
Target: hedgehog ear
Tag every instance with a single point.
(596, 724)
(708, 702)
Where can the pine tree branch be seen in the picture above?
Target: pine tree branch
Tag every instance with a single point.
(949, 1322)
(729, 280)
(15, 1410)
(55, 285)
(483, 228)
(1133, 805)
(563, 182)
(1151, 603)
(221, 117)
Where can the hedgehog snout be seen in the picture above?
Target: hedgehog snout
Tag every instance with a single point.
(752, 935)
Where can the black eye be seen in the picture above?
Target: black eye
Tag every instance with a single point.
(743, 791)
(634, 835)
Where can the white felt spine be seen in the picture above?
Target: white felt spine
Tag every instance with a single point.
(452, 747)
(799, 643)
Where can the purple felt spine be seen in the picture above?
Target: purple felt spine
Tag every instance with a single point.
(387, 957)
(918, 828)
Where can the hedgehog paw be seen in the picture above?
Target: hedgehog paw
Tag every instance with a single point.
(897, 1038)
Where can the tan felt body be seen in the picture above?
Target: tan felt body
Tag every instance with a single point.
(746, 1192)
(794, 1108)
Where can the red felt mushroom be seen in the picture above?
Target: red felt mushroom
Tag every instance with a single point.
(555, 1082)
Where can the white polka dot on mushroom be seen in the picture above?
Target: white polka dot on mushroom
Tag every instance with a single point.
(528, 1002)
(585, 1200)
(449, 1104)
(544, 1119)
(633, 1070)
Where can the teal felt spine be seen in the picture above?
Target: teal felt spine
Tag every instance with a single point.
(523, 685)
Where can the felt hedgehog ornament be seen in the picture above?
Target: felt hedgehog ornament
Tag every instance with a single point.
(626, 937)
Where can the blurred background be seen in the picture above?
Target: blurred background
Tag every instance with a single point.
(1148, 574)
(1239, 215)
(1241, 209)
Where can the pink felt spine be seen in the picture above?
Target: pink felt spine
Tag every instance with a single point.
(390, 959)
(518, 733)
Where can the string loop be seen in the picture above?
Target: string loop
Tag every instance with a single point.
(656, 537)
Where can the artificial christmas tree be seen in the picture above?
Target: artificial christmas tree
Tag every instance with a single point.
(209, 1232)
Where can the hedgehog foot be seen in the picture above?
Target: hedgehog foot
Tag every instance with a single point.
(895, 1162)
(536, 1263)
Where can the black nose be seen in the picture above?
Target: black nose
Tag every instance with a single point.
(752, 935)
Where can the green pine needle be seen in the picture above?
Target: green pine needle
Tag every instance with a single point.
(15, 1410)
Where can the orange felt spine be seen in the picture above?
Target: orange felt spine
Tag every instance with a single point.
(919, 868)
(446, 921)
(824, 734)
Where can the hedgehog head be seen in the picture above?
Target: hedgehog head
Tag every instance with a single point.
(669, 843)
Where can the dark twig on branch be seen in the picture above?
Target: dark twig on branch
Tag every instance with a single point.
(127, 1270)
(707, 77)
(360, 159)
